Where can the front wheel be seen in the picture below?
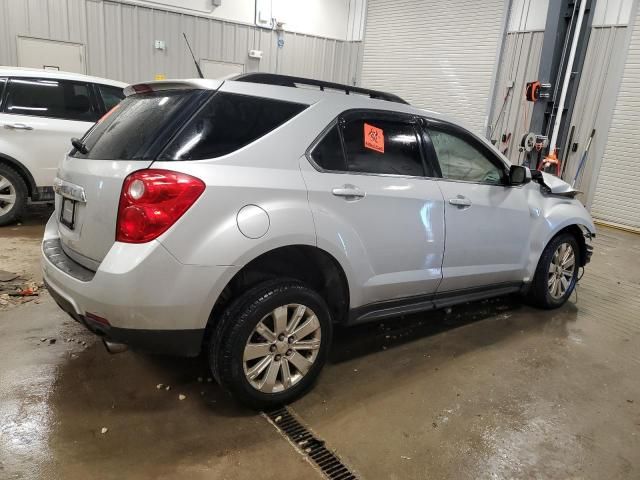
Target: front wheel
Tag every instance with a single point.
(271, 344)
(557, 272)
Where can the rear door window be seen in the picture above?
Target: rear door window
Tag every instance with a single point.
(44, 97)
(382, 145)
(110, 96)
(227, 123)
(133, 129)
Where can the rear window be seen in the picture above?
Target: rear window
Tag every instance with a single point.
(132, 127)
(227, 123)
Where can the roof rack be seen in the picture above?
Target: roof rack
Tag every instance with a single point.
(289, 81)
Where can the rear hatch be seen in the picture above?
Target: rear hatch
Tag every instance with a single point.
(126, 139)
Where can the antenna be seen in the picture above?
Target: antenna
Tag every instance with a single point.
(193, 56)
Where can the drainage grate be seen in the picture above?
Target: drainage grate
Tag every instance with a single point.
(307, 444)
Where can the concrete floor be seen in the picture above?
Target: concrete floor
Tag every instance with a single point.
(490, 390)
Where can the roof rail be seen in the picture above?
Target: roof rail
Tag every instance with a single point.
(289, 81)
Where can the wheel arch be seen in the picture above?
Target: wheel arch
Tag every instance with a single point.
(312, 265)
(22, 171)
(578, 232)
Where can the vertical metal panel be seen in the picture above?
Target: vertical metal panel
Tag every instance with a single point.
(5, 47)
(112, 45)
(16, 23)
(511, 113)
(130, 41)
(437, 55)
(617, 193)
(96, 60)
(215, 41)
(38, 18)
(76, 21)
(58, 19)
(119, 37)
(186, 24)
(594, 102)
(145, 61)
(338, 61)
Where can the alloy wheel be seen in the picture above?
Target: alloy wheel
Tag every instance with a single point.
(7, 195)
(563, 264)
(282, 348)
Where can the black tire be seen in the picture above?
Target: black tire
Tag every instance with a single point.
(539, 294)
(236, 326)
(18, 185)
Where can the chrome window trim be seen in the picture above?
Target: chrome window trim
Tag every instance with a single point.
(334, 123)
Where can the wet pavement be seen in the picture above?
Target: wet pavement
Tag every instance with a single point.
(492, 389)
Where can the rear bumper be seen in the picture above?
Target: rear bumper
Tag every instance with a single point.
(146, 298)
(185, 343)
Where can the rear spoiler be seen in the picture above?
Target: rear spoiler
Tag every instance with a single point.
(158, 86)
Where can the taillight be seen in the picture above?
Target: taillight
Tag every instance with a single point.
(153, 200)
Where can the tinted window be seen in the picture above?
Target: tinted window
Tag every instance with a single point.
(226, 123)
(128, 131)
(111, 96)
(382, 146)
(459, 160)
(328, 152)
(3, 82)
(62, 99)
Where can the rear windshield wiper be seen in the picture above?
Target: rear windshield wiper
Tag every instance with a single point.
(79, 145)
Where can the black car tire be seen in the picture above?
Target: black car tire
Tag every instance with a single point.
(539, 293)
(236, 327)
(18, 185)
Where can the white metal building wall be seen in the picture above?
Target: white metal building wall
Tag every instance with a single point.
(617, 193)
(511, 114)
(118, 38)
(520, 62)
(436, 55)
(595, 101)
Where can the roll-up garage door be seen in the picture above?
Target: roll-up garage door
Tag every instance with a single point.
(617, 197)
(436, 55)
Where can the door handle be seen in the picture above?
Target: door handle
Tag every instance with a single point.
(350, 192)
(17, 126)
(460, 201)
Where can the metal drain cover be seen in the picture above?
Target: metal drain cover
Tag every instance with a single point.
(309, 445)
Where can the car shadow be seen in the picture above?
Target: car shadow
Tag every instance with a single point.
(361, 340)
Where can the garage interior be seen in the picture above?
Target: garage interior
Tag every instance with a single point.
(489, 389)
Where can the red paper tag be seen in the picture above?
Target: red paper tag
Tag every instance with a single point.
(373, 138)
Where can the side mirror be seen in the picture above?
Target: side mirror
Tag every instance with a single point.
(519, 175)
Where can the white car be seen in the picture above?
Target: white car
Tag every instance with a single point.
(40, 111)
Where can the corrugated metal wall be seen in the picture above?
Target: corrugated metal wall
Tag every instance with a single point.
(596, 96)
(511, 113)
(617, 194)
(436, 55)
(118, 39)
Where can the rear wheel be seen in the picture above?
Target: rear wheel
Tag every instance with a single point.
(271, 344)
(557, 272)
(13, 195)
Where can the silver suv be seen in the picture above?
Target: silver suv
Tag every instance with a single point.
(245, 218)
